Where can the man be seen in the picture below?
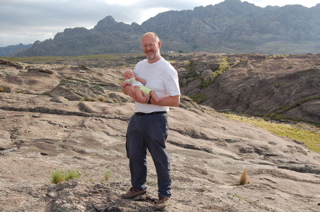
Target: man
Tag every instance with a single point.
(148, 127)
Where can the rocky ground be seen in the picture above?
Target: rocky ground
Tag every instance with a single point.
(72, 116)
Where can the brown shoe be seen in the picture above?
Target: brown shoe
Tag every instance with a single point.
(132, 193)
(161, 203)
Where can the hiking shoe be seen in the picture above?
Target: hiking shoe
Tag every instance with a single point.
(132, 193)
(161, 203)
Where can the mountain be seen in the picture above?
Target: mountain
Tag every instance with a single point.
(13, 49)
(230, 27)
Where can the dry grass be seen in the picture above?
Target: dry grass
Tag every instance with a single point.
(244, 178)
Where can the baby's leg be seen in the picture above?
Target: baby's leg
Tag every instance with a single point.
(141, 95)
(155, 97)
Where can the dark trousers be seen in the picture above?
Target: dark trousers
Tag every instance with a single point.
(149, 131)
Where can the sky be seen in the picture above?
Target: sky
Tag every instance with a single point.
(26, 21)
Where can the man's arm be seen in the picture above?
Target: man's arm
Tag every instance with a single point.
(171, 101)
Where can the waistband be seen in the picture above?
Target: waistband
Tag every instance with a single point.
(153, 113)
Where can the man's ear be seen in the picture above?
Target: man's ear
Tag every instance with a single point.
(160, 44)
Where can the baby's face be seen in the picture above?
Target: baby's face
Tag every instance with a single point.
(128, 75)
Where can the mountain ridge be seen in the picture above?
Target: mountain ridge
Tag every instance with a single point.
(13, 49)
(228, 27)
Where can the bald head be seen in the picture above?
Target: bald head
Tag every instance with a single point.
(152, 35)
(151, 45)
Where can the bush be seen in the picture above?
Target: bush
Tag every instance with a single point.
(198, 98)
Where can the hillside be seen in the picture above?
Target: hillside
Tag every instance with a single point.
(229, 27)
(281, 87)
(70, 114)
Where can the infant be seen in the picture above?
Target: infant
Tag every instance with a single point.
(142, 92)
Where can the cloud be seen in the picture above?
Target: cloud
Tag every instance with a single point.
(264, 3)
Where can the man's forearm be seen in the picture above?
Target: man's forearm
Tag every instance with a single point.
(171, 101)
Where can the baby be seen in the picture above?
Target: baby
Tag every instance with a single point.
(142, 92)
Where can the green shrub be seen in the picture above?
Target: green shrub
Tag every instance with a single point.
(224, 66)
(198, 98)
(206, 83)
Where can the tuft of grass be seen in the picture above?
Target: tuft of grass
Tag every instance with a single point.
(308, 135)
(59, 176)
(244, 178)
(71, 174)
(107, 175)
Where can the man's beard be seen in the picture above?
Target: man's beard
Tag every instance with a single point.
(150, 57)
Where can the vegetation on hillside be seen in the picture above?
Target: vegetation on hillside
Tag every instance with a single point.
(308, 134)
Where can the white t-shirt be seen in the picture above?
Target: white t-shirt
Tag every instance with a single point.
(161, 77)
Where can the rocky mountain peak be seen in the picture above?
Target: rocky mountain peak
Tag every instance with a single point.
(105, 24)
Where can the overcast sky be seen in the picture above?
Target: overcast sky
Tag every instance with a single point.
(25, 21)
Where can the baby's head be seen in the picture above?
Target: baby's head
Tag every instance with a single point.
(128, 74)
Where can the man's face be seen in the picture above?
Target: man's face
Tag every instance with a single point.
(151, 48)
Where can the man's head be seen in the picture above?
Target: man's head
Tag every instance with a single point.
(151, 45)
